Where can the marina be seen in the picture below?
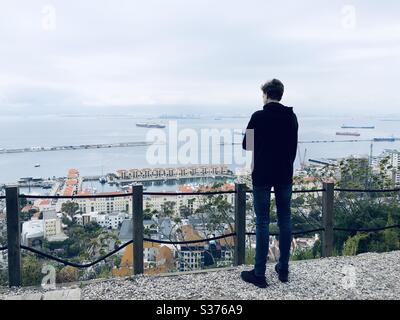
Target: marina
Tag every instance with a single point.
(42, 186)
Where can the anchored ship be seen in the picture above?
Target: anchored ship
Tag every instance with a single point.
(390, 139)
(150, 125)
(357, 127)
(356, 134)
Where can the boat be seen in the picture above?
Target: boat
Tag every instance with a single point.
(150, 125)
(47, 185)
(390, 139)
(37, 165)
(356, 134)
(357, 127)
(102, 179)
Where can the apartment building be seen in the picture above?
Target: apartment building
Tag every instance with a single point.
(108, 204)
(394, 160)
(52, 226)
(146, 173)
(106, 220)
(190, 257)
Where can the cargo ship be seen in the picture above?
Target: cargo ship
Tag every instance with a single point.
(150, 125)
(357, 127)
(355, 134)
(390, 139)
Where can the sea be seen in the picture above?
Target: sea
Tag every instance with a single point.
(68, 130)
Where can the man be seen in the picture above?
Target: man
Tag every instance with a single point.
(272, 137)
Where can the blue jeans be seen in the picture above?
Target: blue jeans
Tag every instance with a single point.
(261, 201)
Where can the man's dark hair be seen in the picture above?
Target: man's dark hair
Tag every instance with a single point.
(273, 89)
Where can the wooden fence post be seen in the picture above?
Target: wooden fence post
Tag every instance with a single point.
(240, 224)
(327, 219)
(137, 220)
(13, 236)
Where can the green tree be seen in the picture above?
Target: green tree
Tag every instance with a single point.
(391, 236)
(350, 247)
(67, 274)
(70, 208)
(168, 208)
(31, 271)
(147, 215)
(3, 277)
(25, 216)
(184, 211)
(364, 210)
(23, 202)
(303, 254)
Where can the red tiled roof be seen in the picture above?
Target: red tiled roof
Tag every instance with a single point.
(44, 202)
(29, 207)
(185, 188)
(228, 187)
(69, 191)
(72, 182)
(109, 193)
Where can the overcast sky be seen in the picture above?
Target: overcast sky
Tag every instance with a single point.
(198, 55)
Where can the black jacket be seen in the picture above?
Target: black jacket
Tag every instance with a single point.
(275, 144)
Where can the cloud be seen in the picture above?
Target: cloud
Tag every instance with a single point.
(213, 54)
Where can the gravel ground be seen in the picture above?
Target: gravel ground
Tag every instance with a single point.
(366, 276)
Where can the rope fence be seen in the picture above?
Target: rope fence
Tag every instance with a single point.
(73, 264)
(296, 191)
(190, 241)
(328, 227)
(367, 190)
(293, 233)
(102, 258)
(207, 193)
(367, 229)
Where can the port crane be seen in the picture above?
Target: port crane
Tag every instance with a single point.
(302, 159)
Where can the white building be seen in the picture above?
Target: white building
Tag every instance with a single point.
(150, 253)
(109, 220)
(32, 231)
(43, 204)
(114, 220)
(191, 171)
(51, 224)
(52, 227)
(394, 159)
(106, 205)
(190, 258)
